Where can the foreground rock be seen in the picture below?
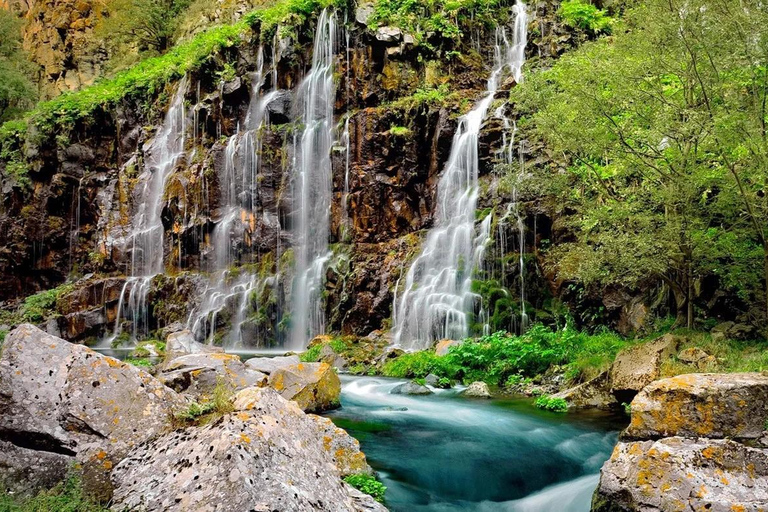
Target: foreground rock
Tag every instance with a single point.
(62, 403)
(199, 374)
(267, 455)
(696, 442)
(183, 342)
(637, 366)
(314, 387)
(702, 405)
(683, 474)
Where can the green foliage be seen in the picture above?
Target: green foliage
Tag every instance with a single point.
(627, 408)
(16, 91)
(298, 11)
(367, 484)
(146, 24)
(67, 496)
(210, 407)
(399, 131)
(662, 130)
(141, 362)
(420, 381)
(40, 306)
(311, 355)
(418, 365)
(552, 404)
(585, 16)
(12, 137)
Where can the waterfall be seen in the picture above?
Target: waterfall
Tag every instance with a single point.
(312, 182)
(230, 239)
(145, 240)
(438, 298)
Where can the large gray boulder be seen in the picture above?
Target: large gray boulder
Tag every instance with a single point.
(637, 366)
(199, 374)
(701, 405)
(683, 474)
(410, 388)
(268, 365)
(266, 455)
(477, 390)
(595, 393)
(183, 342)
(66, 399)
(314, 386)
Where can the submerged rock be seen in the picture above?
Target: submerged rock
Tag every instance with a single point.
(66, 399)
(477, 390)
(410, 388)
(683, 474)
(269, 365)
(267, 455)
(701, 405)
(314, 386)
(636, 367)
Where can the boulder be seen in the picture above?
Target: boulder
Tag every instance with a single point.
(389, 34)
(637, 366)
(266, 455)
(183, 343)
(268, 365)
(342, 447)
(443, 346)
(198, 374)
(595, 393)
(701, 405)
(363, 12)
(410, 388)
(696, 357)
(328, 355)
(25, 471)
(314, 386)
(477, 390)
(432, 380)
(683, 474)
(66, 399)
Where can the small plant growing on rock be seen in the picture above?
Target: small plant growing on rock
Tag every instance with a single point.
(552, 404)
(209, 408)
(141, 362)
(627, 408)
(367, 484)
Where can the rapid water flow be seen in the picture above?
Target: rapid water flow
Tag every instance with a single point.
(230, 239)
(312, 182)
(437, 301)
(145, 242)
(446, 453)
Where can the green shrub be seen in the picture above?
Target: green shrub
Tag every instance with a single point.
(141, 362)
(311, 355)
(67, 496)
(399, 131)
(585, 16)
(40, 306)
(418, 365)
(210, 407)
(549, 403)
(367, 484)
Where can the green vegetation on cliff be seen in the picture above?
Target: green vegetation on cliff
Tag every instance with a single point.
(68, 496)
(16, 90)
(662, 127)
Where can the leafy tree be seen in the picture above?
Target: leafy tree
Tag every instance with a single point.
(663, 130)
(16, 91)
(146, 24)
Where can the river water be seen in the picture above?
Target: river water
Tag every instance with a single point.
(443, 452)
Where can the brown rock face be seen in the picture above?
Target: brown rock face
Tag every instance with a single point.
(58, 36)
(701, 405)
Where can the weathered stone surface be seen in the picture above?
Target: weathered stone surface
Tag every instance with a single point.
(67, 399)
(637, 366)
(24, 471)
(183, 342)
(267, 455)
(443, 346)
(683, 474)
(477, 390)
(198, 374)
(271, 364)
(389, 34)
(314, 386)
(696, 357)
(595, 393)
(363, 12)
(342, 447)
(701, 405)
(410, 388)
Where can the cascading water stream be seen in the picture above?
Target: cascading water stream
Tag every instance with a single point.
(236, 216)
(145, 241)
(312, 182)
(438, 287)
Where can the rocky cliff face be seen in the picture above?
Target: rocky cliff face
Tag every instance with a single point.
(70, 216)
